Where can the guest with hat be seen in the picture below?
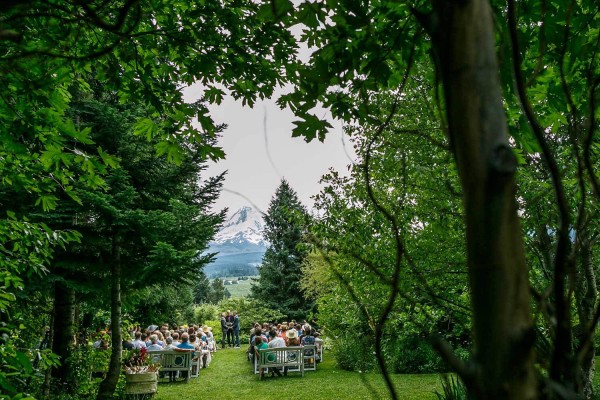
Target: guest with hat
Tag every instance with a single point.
(291, 337)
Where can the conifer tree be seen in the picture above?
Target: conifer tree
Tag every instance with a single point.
(217, 291)
(278, 285)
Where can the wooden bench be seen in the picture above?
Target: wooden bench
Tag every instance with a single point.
(287, 358)
(310, 357)
(174, 361)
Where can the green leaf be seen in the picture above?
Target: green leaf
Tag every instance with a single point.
(48, 202)
(23, 359)
(172, 150)
(108, 159)
(311, 127)
(145, 127)
(214, 95)
(308, 16)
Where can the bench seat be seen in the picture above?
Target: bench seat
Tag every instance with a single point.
(174, 361)
(290, 358)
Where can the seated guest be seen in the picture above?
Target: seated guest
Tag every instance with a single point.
(307, 340)
(251, 344)
(292, 338)
(308, 334)
(185, 342)
(283, 331)
(138, 343)
(169, 344)
(202, 348)
(260, 345)
(186, 345)
(154, 346)
(319, 344)
(175, 337)
(193, 340)
(159, 338)
(210, 339)
(276, 341)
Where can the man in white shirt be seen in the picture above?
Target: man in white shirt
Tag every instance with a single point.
(275, 341)
(138, 343)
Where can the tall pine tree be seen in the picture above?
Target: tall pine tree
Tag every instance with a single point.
(278, 285)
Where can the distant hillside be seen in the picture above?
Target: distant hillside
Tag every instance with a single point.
(241, 264)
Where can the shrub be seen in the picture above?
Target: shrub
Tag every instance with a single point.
(452, 389)
(205, 312)
(412, 354)
(354, 355)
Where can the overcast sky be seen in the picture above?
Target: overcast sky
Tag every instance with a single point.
(251, 173)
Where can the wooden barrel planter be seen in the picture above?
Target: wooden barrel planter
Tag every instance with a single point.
(141, 384)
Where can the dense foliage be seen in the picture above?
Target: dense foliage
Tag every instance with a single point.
(141, 52)
(513, 83)
(355, 259)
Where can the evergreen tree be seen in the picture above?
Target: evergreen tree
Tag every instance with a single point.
(202, 289)
(278, 285)
(217, 292)
(151, 218)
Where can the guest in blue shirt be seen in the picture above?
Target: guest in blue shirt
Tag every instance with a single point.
(185, 342)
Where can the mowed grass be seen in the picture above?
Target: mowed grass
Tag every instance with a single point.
(242, 289)
(230, 377)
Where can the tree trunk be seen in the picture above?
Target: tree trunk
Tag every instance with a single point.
(48, 373)
(63, 334)
(109, 384)
(585, 297)
(503, 359)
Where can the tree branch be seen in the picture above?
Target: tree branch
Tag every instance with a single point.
(563, 328)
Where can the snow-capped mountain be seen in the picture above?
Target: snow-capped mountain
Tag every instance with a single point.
(244, 226)
(240, 245)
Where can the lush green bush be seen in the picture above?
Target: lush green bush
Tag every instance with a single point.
(354, 353)
(412, 354)
(405, 344)
(406, 354)
(205, 312)
(88, 366)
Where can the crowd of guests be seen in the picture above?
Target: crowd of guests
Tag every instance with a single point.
(198, 339)
(282, 335)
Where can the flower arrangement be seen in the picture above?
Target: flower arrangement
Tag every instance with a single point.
(138, 362)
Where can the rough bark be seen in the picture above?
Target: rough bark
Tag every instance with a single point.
(109, 384)
(503, 361)
(63, 334)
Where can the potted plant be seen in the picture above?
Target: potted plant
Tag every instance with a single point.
(141, 374)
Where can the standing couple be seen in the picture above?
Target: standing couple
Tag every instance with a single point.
(230, 325)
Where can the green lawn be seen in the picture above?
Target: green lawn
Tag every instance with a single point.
(242, 289)
(230, 377)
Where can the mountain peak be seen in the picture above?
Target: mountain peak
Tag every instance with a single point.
(245, 225)
(240, 216)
